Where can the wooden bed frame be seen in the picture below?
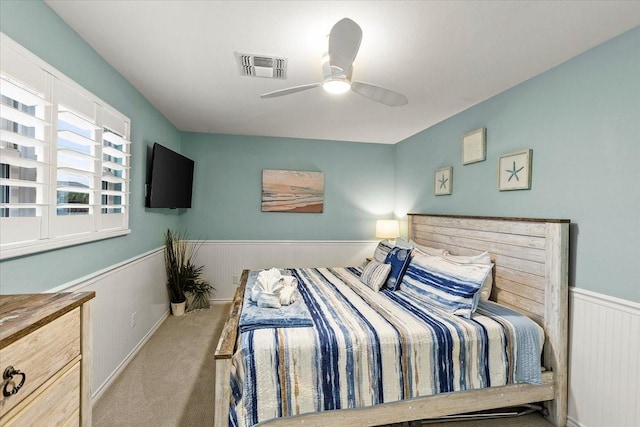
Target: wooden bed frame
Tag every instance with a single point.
(530, 276)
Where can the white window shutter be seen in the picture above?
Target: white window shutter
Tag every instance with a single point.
(64, 159)
(115, 171)
(24, 149)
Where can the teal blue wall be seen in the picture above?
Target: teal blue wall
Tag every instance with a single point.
(36, 27)
(227, 187)
(582, 120)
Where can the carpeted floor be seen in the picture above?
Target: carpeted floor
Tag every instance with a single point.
(170, 382)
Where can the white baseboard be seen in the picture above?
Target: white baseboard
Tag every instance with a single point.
(130, 304)
(115, 374)
(573, 423)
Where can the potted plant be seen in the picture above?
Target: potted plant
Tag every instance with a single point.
(183, 276)
(197, 293)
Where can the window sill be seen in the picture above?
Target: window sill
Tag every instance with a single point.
(22, 249)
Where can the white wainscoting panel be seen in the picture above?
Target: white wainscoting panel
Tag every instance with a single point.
(224, 260)
(134, 286)
(604, 361)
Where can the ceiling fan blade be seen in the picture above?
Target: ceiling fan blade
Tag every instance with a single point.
(379, 94)
(289, 91)
(344, 42)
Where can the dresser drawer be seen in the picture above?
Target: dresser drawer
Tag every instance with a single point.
(56, 405)
(40, 355)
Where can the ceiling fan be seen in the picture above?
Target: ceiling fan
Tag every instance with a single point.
(337, 68)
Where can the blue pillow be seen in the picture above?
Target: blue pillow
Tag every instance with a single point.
(399, 259)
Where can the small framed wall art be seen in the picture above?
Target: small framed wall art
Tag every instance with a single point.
(443, 181)
(514, 171)
(474, 146)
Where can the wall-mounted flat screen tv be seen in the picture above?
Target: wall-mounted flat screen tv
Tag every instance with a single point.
(170, 179)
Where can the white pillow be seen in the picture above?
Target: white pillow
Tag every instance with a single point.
(403, 243)
(482, 258)
(428, 249)
(487, 285)
(375, 274)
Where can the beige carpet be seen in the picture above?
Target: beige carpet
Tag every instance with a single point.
(170, 382)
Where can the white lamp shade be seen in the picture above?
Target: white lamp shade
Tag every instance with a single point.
(387, 228)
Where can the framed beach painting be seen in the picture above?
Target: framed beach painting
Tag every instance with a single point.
(292, 191)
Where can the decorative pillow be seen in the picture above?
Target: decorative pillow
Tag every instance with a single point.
(403, 243)
(429, 250)
(487, 286)
(399, 259)
(375, 274)
(447, 285)
(382, 250)
(483, 258)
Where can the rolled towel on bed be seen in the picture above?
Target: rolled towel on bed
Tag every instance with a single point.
(268, 282)
(289, 281)
(268, 279)
(294, 315)
(287, 295)
(269, 300)
(255, 293)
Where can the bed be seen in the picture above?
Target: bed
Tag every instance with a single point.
(530, 277)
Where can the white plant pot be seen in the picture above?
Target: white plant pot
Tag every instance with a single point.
(177, 308)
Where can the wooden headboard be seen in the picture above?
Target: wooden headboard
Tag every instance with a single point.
(531, 259)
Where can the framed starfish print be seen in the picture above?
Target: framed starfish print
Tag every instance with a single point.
(514, 171)
(443, 181)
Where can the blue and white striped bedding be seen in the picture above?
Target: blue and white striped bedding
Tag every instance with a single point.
(368, 348)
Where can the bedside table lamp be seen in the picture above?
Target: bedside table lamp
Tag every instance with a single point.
(387, 229)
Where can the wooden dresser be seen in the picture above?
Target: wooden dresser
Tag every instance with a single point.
(45, 359)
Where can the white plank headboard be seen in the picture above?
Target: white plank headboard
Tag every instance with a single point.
(531, 259)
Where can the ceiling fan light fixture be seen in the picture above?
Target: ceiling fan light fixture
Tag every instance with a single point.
(336, 86)
(337, 69)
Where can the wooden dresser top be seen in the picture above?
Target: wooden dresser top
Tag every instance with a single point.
(22, 314)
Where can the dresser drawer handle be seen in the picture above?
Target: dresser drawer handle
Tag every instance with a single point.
(8, 378)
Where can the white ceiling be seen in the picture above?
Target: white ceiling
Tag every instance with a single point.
(445, 56)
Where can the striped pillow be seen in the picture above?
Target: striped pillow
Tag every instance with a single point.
(375, 274)
(447, 285)
(383, 248)
(482, 258)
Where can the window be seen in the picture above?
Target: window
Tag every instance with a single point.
(64, 159)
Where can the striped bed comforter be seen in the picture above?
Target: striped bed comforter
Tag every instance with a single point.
(368, 348)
